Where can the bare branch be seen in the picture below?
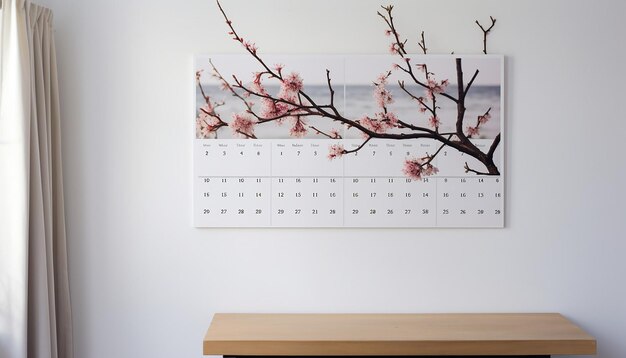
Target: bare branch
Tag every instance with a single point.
(422, 44)
(486, 32)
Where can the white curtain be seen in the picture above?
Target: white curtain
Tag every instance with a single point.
(35, 315)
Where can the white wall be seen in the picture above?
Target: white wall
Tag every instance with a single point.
(145, 283)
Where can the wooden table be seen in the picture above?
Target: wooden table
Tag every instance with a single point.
(420, 335)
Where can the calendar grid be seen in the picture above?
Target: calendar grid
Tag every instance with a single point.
(294, 186)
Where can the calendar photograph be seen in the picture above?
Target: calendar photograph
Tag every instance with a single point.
(238, 98)
(348, 141)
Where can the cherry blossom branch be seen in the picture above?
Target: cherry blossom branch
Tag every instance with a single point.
(419, 100)
(473, 130)
(422, 44)
(490, 154)
(295, 103)
(494, 145)
(228, 86)
(251, 136)
(250, 47)
(486, 32)
(357, 148)
(409, 71)
(398, 46)
(469, 84)
(470, 170)
(332, 135)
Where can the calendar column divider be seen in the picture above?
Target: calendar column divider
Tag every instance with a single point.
(343, 142)
(271, 150)
(437, 196)
(436, 202)
(343, 183)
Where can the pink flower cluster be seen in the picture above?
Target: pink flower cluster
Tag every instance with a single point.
(394, 49)
(242, 125)
(298, 130)
(471, 131)
(381, 94)
(434, 122)
(435, 87)
(416, 168)
(279, 67)
(336, 151)
(381, 123)
(205, 124)
(204, 127)
(334, 134)
(290, 86)
(484, 118)
(281, 107)
(272, 109)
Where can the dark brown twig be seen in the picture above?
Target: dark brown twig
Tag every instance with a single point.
(486, 32)
(422, 44)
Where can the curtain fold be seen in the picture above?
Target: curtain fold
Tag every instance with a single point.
(35, 314)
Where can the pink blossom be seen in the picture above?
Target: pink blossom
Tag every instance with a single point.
(395, 66)
(373, 125)
(336, 151)
(206, 109)
(435, 87)
(279, 67)
(382, 78)
(257, 85)
(407, 59)
(224, 86)
(258, 88)
(205, 124)
(471, 131)
(273, 109)
(388, 119)
(413, 168)
(250, 46)
(422, 109)
(298, 130)
(393, 48)
(291, 83)
(256, 78)
(429, 169)
(334, 134)
(382, 95)
(198, 75)
(388, 32)
(242, 125)
(434, 121)
(203, 129)
(484, 118)
(416, 168)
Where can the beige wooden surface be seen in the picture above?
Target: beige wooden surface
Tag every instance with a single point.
(395, 334)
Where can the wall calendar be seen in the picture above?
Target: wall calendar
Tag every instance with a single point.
(348, 141)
